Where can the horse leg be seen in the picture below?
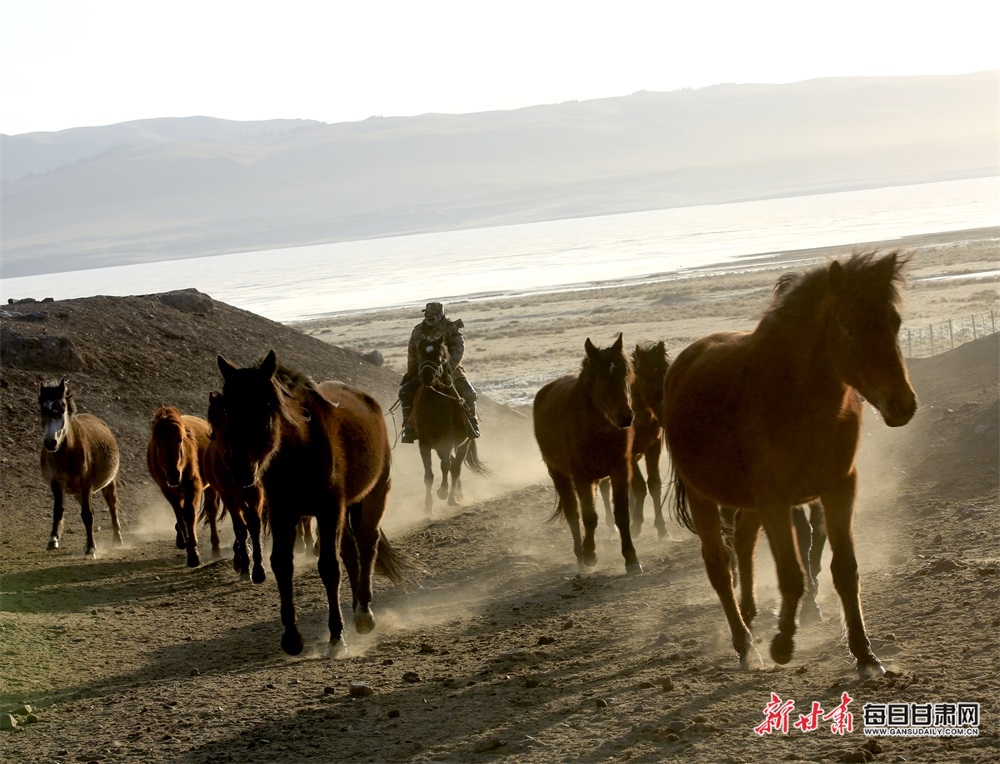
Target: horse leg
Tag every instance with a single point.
(349, 557)
(455, 494)
(838, 509)
(241, 558)
(87, 515)
(585, 492)
(571, 511)
(746, 534)
(810, 612)
(210, 502)
(425, 456)
(445, 456)
(777, 522)
(254, 522)
(609, 516)
(708, 524)
(57, 515)
(655, 485)
(366, 535)
(110, 493)
(283, 567)
(189, 508)
(637, 499)
(331, 530)
(619, 495)
(818, 540)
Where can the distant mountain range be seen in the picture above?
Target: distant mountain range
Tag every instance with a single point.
(167, 188)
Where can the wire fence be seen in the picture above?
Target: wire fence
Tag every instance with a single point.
(924, 341)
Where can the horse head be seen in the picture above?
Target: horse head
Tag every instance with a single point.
(650, 363)
(433, 362)
(168, 432)
(863, 332)
(246, 418)
(608, 377)
(56, 406)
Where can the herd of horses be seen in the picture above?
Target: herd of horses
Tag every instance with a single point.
(761, 427)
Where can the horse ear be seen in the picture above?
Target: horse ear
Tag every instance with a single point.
(619, 343)
(225, 367)
(590, 348)
(62, 387)
(838, 276)
(270, 364)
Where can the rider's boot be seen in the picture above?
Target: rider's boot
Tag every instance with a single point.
(471, 420)
(408, 435)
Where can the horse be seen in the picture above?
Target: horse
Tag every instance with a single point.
(175, 458)
(741, 529)
(769, 419)
(440, 423)
(245, 504)
(319, 450)
(650, 363)
(583, 425)
(79, 456)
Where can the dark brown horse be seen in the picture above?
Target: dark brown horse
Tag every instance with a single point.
(319, 450)
(244, 503)
(770, 419)
(175, 457)
(440, 423)
(650, 363)
(79, 456)
(583, 428)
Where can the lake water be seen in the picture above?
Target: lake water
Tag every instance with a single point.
(307, 282)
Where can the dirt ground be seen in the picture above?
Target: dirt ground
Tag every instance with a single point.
(496, 649)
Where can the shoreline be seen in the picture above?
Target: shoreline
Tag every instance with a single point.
(742, 263)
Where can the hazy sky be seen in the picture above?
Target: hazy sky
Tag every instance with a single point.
(71, 63)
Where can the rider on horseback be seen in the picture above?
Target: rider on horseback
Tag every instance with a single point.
(434, 326)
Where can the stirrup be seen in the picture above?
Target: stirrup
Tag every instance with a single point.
(407, 436)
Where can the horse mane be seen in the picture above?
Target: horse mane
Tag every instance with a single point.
(585, 366)
(296, 393)
(166, 415)
(796, 295)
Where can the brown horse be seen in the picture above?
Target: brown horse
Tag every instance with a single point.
(245, 504)
(319, 450)
(650, 363)
(175, 457)
(583, 428)
(440, 423)
(79, 456)
(769, 419)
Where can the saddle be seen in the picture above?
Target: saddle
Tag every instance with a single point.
(448, 392)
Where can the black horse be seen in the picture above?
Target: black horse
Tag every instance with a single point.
(439, 419)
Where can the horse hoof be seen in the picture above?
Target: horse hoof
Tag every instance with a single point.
(633, 568)
(811, 613)
(871, 668)
(782, 648)
(751, 660)
(90, 553)
(259, 576)
(590, 560)
(291, 641)
(442, 494)
(364, 622)
(338, 648)
(193, 560)
(244, 574)
(53, 544)
(179, 542)
(452, 503)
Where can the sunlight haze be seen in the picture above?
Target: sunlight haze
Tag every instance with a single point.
(68, 64)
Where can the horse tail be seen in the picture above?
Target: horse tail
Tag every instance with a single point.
(391, 563)
(559, 510)
(473, 461)
(682, 512)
